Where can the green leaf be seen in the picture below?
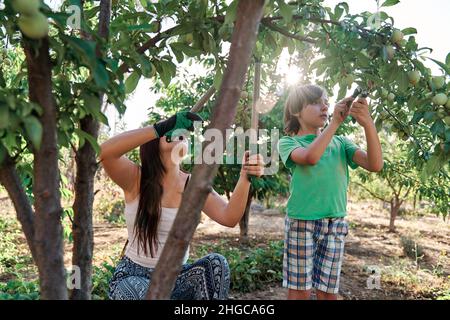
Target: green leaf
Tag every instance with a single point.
(132, 82)
(291, 45)
(101, 76)
(92, 105)
(440, 64)
(408, 31)
(34, 130)
(389, 3)
(438, 127)
(4, 116)
(345, 5)
(166, 70)
(429, 115)
(90, 13)
(186, 49)
(338, 11)
(183, 28)
(447, 60)
(147, 69)
(85, 47)
(342, 91)
(178, 55)
(402, 80)
(146, 27)
(218, 79)
(431, 167)
(230, 16)
(86, 51)
(285, 11)
(86, 136)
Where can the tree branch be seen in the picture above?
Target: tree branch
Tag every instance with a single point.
(370, 192)
(392, 187)
(204, 99)
(147, 45)
(407, 191)
(10, 179)
(274, 27)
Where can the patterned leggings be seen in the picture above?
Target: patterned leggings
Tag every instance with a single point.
(206, 279)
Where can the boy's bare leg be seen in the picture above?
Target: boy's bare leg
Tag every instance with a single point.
(326, 296)
(299, 294)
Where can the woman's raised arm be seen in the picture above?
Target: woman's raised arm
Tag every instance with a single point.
(119, 168)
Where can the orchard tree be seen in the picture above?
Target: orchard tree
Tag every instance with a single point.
(64, 73)
(400, 181)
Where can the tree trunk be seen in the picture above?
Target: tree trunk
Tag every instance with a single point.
(48, 234)
(82, 228)
(249, 14)
(11, 181)
(243, 223)
(395, 206)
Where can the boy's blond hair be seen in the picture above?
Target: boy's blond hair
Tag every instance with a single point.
(299, 97)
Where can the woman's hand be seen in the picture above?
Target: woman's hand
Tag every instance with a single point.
(341, 110)
(181, 120)
(360, 111)
(252, 165)
(230, 213)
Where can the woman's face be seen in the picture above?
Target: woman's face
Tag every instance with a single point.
(176, 149)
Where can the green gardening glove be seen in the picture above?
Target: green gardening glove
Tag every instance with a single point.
(181, 120)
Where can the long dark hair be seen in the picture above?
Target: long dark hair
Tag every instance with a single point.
(150, 194)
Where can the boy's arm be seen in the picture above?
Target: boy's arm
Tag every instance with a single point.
(312, 154)
(372, 160)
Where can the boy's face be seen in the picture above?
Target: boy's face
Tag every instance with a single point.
(315, 114)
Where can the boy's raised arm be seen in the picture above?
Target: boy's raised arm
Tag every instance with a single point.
(372, 160)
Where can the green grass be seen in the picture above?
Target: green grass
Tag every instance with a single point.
(15, 264)
(251, 267)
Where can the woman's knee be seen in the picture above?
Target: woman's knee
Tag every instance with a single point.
(130, 288)
(217, 259)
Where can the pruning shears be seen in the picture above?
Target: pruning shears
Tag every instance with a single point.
(358, 92)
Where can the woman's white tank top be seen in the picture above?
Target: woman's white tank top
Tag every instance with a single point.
(165, 224)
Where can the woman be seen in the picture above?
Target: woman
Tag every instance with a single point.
(153, 194)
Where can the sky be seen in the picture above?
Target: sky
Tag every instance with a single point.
(430, 18)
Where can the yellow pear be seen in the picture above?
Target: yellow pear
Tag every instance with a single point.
(34, 27)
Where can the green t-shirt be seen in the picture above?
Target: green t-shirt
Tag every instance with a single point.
(318, 191)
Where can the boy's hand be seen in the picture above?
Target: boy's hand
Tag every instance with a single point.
(360, 111)
(341, 110)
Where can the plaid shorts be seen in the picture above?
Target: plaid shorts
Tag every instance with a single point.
(313, 253)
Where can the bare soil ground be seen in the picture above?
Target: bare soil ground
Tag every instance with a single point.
(369, 247)
(368, 244)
